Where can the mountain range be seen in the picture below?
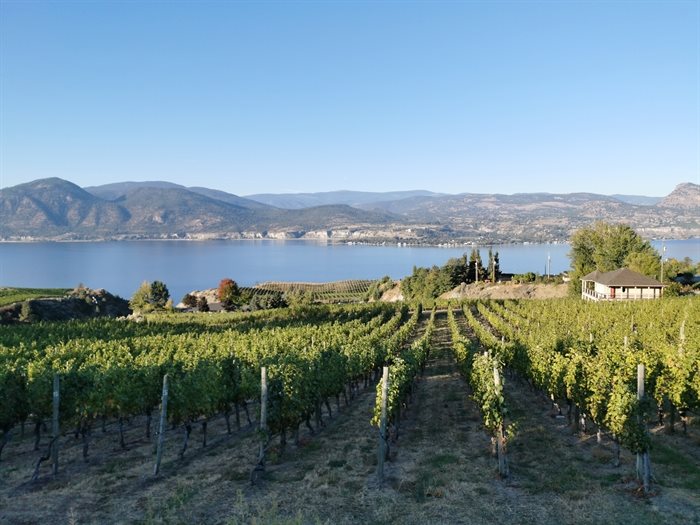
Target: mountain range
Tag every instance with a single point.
(56, 209)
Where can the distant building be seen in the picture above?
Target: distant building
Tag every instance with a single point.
(619, 285)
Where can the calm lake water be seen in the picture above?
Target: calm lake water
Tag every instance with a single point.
(185, 265)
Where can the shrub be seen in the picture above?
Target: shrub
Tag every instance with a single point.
(673, 290)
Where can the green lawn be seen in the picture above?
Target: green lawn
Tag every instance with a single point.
(14, 295)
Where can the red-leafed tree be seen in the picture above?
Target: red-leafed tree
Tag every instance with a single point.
(229, 294)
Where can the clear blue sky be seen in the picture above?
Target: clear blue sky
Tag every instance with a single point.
(488, 96)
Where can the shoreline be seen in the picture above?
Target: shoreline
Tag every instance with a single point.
(331, 242)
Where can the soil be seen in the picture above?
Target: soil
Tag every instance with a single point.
(507, 290)
(440, 470)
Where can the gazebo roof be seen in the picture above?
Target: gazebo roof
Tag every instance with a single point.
(621, 277)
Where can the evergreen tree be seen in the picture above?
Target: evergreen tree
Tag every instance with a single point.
(494, 269)
(159, 294)
(202, 304)
(476, 266)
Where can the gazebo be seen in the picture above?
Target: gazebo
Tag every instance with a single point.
(619, 285)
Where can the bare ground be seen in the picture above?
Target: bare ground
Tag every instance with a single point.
(508, 290)
(440, 471)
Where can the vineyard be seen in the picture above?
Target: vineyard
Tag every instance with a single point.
(331, 292)
(15, 295)
(533, 403)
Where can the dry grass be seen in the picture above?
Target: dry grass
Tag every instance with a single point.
(440, 471)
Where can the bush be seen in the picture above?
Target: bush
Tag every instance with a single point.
(529, 277)
(26, 313)
(673, 290)
(299, 298)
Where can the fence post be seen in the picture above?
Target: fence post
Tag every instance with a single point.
(54, 425)
(263, 418)
(161, 428)
(643, 461)
(381, 451)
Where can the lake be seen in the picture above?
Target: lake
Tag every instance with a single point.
(121, 266)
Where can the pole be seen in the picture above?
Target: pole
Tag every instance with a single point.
(161, 427)
(54, 426)
(663, 252)
(381, 451)
(263, 417)
(643, 462)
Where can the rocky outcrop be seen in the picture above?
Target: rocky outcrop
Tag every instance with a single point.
(685, 196)
(82, 303)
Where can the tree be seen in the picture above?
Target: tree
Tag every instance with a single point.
(477, 272)
(202, 304)
(458, 270)
(645, 263)
(606, 247)
(494, 266)
(229, 294)
(682, 271)
(190, 301)
(149, 297)
(159, 294)
(140, 301)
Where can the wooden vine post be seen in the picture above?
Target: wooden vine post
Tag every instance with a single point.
(55, 429)
(381, 450)
(500, 432)
(161, 426)
(643, 461)
(260, 467)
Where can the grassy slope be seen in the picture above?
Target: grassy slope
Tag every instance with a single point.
(15, 295)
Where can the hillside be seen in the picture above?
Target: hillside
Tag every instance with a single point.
(295, 201)
(685, 196)
(56, 209)
(545, 216)
(119, 190)
(60, 210)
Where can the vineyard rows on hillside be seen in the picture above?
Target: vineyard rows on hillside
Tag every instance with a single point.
(562, 371)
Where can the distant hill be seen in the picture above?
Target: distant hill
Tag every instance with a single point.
(178, 210)
(295, 201)
(545, 216)
(229, 198)
(53, 207)
(118, 190)
(59, 210)
(639, 200)
(685, 196)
